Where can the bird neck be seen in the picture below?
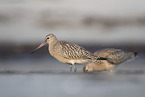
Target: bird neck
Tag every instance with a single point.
(100, 67)
(52, 44)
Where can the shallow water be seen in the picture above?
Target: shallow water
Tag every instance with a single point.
(47, 77)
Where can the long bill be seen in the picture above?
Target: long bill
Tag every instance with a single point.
(41, 45)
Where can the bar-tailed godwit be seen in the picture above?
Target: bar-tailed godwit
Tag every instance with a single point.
(67, 52)
(114, 58)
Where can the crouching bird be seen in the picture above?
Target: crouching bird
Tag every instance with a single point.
(114, 58)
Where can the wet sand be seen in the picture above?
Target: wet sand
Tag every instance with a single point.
(47, 77)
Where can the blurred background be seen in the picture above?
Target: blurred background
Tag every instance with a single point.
(93, 24)
(25, 23)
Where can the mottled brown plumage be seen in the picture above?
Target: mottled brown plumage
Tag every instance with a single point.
(114, 58)
(68, 52)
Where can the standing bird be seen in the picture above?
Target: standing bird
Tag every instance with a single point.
(67, 52)
(114, 58)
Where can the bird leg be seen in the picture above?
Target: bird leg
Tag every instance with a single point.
(74, 67)
(70, 67)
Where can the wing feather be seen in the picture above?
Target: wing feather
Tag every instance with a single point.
(115, 56)
(71, 51)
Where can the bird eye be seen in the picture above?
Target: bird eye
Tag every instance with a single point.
(47, 37)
